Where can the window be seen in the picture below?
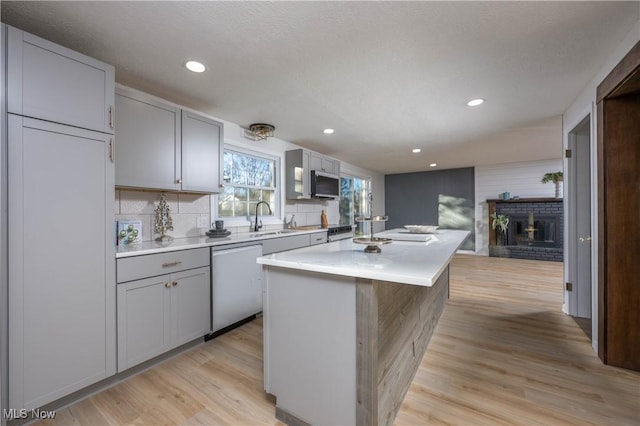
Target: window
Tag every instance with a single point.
(248, 178)
(354, 202)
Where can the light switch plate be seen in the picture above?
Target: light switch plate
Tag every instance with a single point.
(203, 222)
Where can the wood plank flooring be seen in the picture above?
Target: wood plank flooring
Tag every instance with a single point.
(502, 353)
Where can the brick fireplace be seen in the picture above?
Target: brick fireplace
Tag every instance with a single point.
(535, 229)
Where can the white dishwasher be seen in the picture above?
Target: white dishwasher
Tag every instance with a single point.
(236, 289)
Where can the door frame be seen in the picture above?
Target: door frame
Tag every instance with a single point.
(612, 85)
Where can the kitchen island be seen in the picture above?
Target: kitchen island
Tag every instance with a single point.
(345, 331)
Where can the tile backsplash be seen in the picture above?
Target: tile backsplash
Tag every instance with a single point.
(185, 210)
(308, 212)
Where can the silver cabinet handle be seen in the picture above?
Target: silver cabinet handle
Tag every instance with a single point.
(170, 264)
(175, 283)
(167, 285)
(582, 240)
(111, 120)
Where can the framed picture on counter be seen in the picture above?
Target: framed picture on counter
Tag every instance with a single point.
(129, 231)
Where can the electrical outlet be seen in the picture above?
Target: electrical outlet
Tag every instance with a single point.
(203, 222)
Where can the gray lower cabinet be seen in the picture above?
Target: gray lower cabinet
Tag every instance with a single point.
(161, 146)
(62, 260)
(158, 313)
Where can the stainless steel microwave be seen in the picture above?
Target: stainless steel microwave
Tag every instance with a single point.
(324, 185)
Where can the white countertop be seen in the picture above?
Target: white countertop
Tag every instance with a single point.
(407, 262)
(151, 247)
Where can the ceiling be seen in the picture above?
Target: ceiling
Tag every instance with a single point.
(387, 76)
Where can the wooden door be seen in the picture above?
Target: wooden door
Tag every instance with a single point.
(619, 220)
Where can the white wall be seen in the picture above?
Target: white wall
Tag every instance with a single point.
(520, 179)
(584, 105)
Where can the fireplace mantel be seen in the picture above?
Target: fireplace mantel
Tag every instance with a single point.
(527, 200)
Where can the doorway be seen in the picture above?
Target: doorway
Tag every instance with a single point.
(618, 101)
(579, 209)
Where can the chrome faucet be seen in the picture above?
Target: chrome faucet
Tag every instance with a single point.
(256, 228)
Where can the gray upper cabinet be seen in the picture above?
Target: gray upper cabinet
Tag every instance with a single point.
(50, 82)
(325, 164)
(161, 146)
(147, 142)
(201, 153)
(298, 166)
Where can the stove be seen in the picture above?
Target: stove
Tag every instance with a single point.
(339, 232)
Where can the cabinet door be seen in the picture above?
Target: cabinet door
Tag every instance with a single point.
(201, 153)
(143, 320)
(316, 162)
(190, 304)
(148, 142)
(53, 83)
(336, 167)
(325, 164)
(297, 167)
(61, 252)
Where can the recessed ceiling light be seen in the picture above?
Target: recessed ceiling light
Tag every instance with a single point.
(416, 150)
(195, 66)
(475, 102)
(328, 131)
(432, 165)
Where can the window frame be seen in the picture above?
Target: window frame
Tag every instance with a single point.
(235, 221)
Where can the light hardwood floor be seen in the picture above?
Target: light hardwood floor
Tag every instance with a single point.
(502, 353)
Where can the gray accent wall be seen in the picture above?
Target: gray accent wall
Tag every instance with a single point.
(442, 197)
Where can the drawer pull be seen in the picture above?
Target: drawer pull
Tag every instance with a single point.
(170, 264)
(175, 283)
(167, 285)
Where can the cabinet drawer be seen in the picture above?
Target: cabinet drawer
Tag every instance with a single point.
(317, 238)
(133, 268)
